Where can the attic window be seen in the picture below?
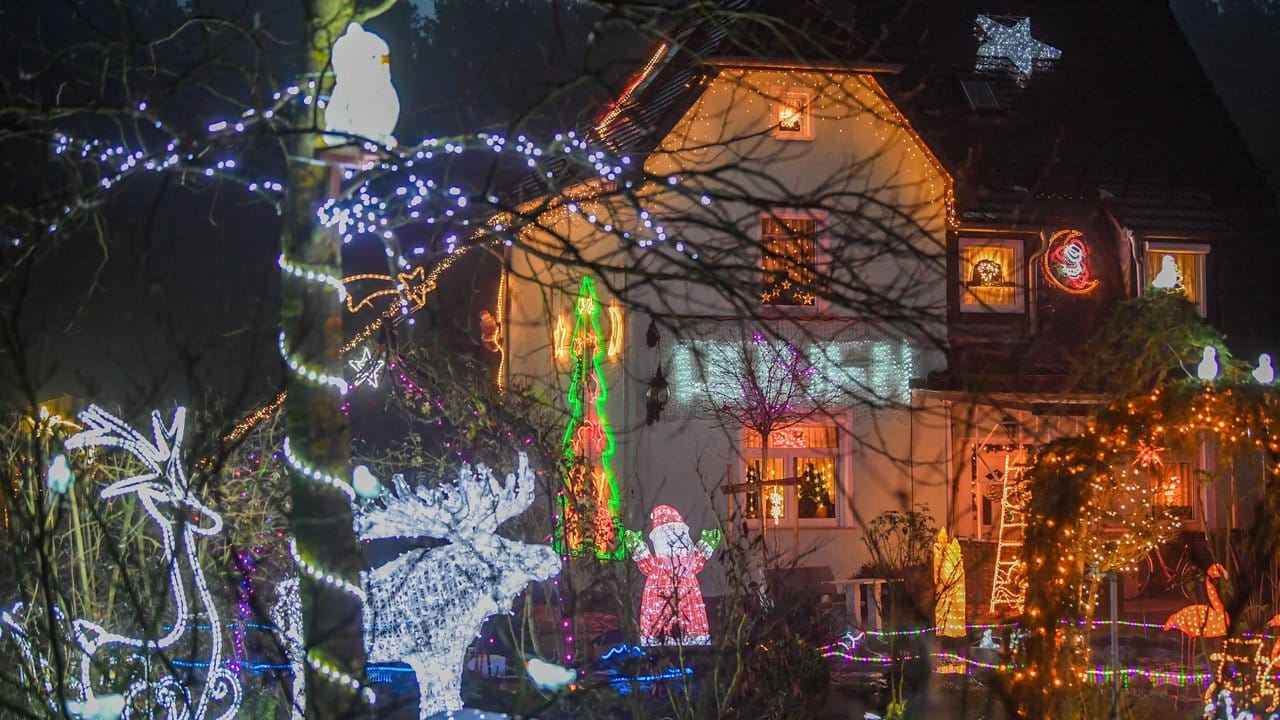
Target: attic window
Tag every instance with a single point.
(792, 116)
(979, 94)
(991, 275)
(1178, 266)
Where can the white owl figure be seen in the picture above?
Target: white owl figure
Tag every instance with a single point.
(364, 102)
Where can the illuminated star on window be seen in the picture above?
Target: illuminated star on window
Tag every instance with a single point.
(367, 370)
(1013, 43)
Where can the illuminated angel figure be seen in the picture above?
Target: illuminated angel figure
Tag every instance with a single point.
(671, 608)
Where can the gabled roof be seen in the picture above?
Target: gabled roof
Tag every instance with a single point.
(1126, 112)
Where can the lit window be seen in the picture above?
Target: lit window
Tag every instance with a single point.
(1177, 266)
(792, 116)
(805, 460)
(789, 260)
(1175, 488)
(990, 275)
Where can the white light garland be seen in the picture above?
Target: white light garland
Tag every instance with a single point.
(317, 377)
(296, 462)
(875, 371)
(313, 275)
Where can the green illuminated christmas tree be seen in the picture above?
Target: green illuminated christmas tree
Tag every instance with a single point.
(589, 500)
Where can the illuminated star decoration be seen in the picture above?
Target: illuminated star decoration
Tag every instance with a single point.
(1148, 454)
(1014, 43)
(368, 371)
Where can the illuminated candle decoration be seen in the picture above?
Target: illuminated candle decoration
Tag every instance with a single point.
(1168, 278)
(1207, 370)
(1265, 374)
(1065, 263)
(948, 583)
(364, 103)
(1209, 620)
(165, 495)
(671, 607)
(1001, 43)
(589, 501)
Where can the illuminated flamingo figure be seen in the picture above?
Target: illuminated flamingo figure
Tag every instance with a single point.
(1208, 621)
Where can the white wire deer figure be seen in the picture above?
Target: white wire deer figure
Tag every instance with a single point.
(165, 495)
(425, 607)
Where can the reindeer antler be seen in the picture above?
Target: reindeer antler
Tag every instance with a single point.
(475, 502)
(160, 456)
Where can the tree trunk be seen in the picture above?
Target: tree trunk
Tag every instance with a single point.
(311, 321)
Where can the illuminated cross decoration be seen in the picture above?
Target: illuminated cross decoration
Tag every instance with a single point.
(368, 371)
(1013, 43)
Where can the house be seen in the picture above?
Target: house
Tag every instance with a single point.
(896, 224)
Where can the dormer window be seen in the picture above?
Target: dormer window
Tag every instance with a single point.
(792, 114)
(1177, 266)
(991, 275)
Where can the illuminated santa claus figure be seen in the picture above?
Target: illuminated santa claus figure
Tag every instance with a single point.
(671, 609)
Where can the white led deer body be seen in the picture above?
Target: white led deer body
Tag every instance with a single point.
(425, 607)
(166, 496)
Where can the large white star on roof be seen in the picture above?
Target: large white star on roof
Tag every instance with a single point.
(1013, 43)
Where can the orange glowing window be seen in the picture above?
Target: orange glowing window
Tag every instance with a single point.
(1177, 266)
(789, 260)
(806, 458)
(991, 275)
(1175, 488)
(792, 117)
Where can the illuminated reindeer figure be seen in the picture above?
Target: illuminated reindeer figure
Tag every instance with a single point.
(166, 496)
(425, 607)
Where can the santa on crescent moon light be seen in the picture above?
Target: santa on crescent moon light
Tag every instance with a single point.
(671, 608)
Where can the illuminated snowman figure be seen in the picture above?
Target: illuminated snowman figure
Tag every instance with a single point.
(671, 608)
(364, 102)
(1265, 374)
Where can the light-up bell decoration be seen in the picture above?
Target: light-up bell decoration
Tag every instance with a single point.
(1265, 374)
(1208, 621)
(364, 103)
(1207, 370)
(671, 608)
(1168, 278)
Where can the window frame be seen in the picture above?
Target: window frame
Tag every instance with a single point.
(790, 497)
(779, 97)
(1200, 250)
(1018, 248)
(820, 257)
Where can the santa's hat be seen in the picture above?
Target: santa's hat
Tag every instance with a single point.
(665, 515)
